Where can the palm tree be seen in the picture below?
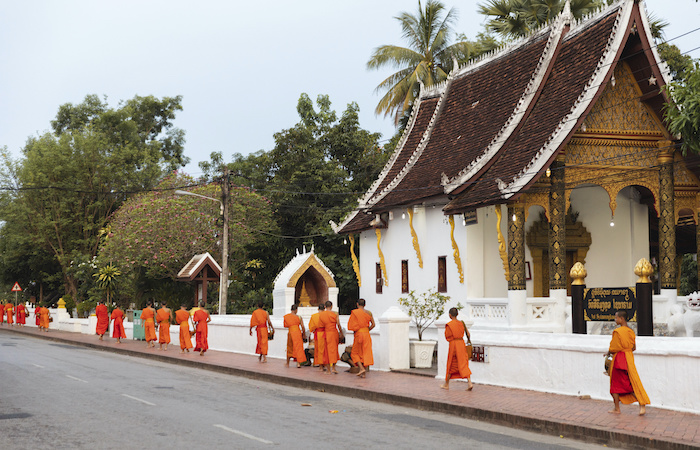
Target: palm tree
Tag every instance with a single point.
(428, 58)
(107, 279)
(517, 18)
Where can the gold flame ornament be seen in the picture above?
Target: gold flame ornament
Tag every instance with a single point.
(643, 270)
(578, 274)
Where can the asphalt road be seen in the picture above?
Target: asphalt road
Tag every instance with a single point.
(55, 396)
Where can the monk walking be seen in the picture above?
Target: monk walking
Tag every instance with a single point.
(319, 339)
(45, 315)
(361, 323)
(457, 358)
(260, 320)
(182, 318)
(148, 318)
(295, 337)
(9, 307)
(201, 318)
(2, 314)
(118, 331)
(102, 314)
(21, 314)
(625, 385)
(37, 315)
(163, 317)
(330, 321)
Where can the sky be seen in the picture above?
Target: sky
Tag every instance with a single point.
(240, 66)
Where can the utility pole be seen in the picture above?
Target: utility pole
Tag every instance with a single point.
(223, 287)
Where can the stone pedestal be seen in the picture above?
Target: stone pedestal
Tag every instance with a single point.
(393, 327)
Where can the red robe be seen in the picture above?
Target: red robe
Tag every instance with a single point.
(295, 340)
(163, 319)
(21, 314)
(457, 359)
(319, 339)
(8, 313)
(149, 325)
(118, 327)
(259, 319)
(624, 379)
(329, 321)
(200, 318)
(182, 319)
(2, 313)
(362, 343)
(102, 314)
(37, 315)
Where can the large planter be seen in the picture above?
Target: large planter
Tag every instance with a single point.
(422, 353)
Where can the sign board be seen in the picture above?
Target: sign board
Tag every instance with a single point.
(470, 217)
(16, 287)
(601, 304)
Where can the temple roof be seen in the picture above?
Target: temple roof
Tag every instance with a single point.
(195, 265)
(492, 129)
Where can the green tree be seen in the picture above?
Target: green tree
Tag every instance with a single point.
(683, 113)
(428, 59)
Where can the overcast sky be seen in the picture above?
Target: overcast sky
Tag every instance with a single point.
(240, 66)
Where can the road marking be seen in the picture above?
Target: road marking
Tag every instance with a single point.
(37, 365)
(139, 400)
(246, 435)
(76, 379)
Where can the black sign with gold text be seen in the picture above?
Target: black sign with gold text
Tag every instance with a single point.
(601, 304)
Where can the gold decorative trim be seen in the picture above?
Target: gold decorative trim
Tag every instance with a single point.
(536, 199)
(689, 202)
(416, 246)
(458, 260)
(355, 262)
(607, 142)
(502, 243)
(311, 262)
(385, 276)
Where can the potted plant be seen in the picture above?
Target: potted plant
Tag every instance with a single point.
(423, 309)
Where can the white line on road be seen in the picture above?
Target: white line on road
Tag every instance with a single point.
(246, 435)
(139, 400)
(76, 379)
(37, 365)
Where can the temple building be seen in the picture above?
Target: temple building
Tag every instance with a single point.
(548, 152)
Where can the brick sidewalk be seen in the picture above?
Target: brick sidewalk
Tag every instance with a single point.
(534, 411)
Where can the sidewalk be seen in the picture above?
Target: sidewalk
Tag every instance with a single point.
(552, 414)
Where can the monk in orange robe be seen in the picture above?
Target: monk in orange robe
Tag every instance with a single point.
(260, 320)
(625, 385)
(320, 355)
(102, 314)
(45, 318)
(331, 324)
(37, 315)
(9, 307)
(457, 358)
(201, 318)
(21, 314)
(118, 331)
(295, 337)
(148, 318)
(182, 318)
(163, 317)
(361, 322)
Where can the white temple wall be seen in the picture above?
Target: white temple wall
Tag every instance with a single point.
(495, 283)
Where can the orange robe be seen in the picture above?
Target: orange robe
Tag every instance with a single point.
(21, 314)
(259, 319)
(295, 341)
(329, 321)
(44, 312)
(8, 313)
(149, 325)
(102, 314)
(37, 315)
(118, 328)
(319, 339)
(623, 368)
(200, 317)
(182, 319)
(457, 359)
(163, 319)
(362, 342)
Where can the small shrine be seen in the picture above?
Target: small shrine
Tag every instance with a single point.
(202, 269)
(305, 280)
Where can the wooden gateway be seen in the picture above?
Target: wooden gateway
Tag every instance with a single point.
(202, 269)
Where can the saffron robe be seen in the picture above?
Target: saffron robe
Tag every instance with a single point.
(37, 315)
(200, 318)
(21, 314)
(295, 340)
(44, 313)
(8, 313)
(457, 358)
(182, 319)
(163, 319)
(623, 368)
(259, 319)
(319, 339)
(149, 325)
(362, 342)
(102, 314)
(118, 326)
(329, 321)
(2, 313)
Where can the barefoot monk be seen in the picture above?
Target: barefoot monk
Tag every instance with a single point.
(625, 385)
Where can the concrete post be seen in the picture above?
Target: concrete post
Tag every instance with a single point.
(394, 351)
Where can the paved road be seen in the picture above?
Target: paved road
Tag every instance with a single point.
(55, 395)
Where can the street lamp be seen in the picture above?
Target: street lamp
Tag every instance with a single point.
(223, 280)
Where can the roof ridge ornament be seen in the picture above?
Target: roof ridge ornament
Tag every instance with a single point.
(566, 13)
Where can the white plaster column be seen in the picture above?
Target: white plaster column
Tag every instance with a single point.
(559, 298)
(517, 309)
(394, 351)
(672, 300)
(92, 324)
(442, 345)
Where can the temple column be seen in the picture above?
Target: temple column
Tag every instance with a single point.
(557, 239)
(517, 295)
(667, 225)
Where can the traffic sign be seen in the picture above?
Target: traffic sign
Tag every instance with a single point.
(16, 287)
